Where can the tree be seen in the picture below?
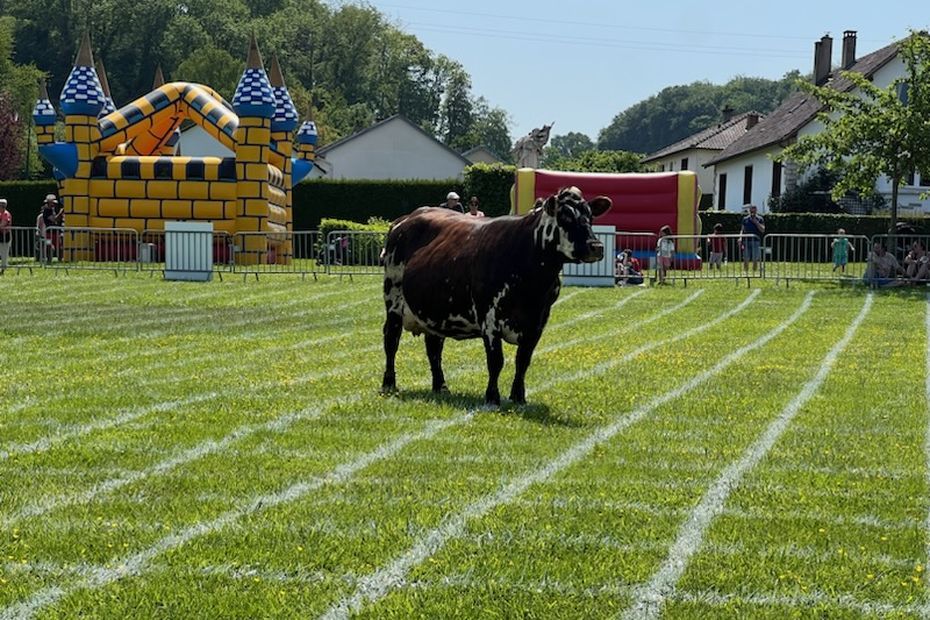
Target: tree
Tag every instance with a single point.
(489, 128)
(600, 161)
(870, 131)
(457, 109)
(214, 67)
(567, 146)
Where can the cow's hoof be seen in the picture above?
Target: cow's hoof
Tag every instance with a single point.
(492, 399)
(388, 390)
(441, 389)
(518, 397)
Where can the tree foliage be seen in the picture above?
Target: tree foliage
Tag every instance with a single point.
(347, 59)
(870, 131)
(599, 161)
(679, 111)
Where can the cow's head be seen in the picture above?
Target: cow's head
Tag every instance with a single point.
(566, 225)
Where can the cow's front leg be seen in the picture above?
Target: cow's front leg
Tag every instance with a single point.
(434, 354)
(524, 354)
(393, 327)
(495, 354)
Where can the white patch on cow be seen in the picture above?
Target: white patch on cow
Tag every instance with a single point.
(494, 325)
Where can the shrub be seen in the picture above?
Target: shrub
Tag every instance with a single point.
(491, 183)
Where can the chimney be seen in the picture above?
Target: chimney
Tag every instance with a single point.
(727, 112)
(752, 119)
(823, 56)
(849, 48)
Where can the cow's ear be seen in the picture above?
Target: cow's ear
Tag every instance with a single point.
(600, 205)
(551, 206)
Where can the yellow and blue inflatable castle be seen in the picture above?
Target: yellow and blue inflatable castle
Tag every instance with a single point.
(117, 168)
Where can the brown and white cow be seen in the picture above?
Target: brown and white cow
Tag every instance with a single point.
(449, 275)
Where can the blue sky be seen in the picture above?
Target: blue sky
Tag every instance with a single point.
(579, 63)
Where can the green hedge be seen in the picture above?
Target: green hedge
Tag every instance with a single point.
(24, 198)
(363, 250)
(491, 183)
(810, 223)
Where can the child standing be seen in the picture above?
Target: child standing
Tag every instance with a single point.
(718, 247)
(841, 249)
(665, 249)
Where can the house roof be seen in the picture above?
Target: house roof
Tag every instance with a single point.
(716, 137)
(397, 117)
(479, 148)
(800, 108)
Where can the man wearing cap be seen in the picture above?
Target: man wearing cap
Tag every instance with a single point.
(452, 202)
(6, 234)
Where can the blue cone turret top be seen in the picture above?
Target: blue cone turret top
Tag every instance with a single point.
(44, 112)
(285, 114)
(307, 133)
(83, 93)
(254, 96)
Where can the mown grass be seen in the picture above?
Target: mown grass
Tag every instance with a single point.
(220, 450)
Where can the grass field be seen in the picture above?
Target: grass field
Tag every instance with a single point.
(220, 451)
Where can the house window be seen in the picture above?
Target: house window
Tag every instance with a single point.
(684, 163)
(661, 167)
(722, 192)
(747, 185)
(910, 179)
(776, 178)
(925, 179)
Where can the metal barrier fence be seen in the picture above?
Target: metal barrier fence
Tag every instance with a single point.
(19, 248)
(713, 257)
(353, 253)
(86, 248)
(815, 257)
(910, 257)
(183, 251)
(298, 253)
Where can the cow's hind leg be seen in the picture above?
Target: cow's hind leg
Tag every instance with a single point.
(524, 355)
(393, 327)
(434, 346)
(495, 354)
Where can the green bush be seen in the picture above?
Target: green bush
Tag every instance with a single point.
(24, 198)
(491, 183)
(361, 249)
(809, 223)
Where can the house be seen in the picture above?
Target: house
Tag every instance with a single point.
(196, 142)
(394, 148)
(482, 154)
(695, 151)
(746, 171)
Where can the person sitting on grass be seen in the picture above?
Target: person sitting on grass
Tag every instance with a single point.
(665, 250)
(882, 268)
(627, 269)
(841, 250)
(915, 263)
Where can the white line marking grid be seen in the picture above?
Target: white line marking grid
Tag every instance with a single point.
(301, 505)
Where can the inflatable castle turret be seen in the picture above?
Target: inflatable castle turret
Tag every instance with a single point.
(283, 124)
(108, 105)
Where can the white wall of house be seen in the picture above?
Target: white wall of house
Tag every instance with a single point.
(735, 171)
(696, 160)
(393, 150)
(195, 142)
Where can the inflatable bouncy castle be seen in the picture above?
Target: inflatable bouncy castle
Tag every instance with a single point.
(118, 168)
(642, 202)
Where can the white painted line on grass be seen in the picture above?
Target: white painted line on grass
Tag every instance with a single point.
(807, 600)
(595, 313)
(376, 585)
(650, 598)
(137, 563)
(628, 327)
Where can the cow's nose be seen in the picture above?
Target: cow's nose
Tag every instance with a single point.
(595, 250)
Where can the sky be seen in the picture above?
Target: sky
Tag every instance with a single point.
(580, 63)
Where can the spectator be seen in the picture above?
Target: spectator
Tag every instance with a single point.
(882, 268)
(452, 202)
(665, 250)
(916, 262)
(627, 269)
(841, 249)
(473, 207)
(49, 228)
(6, 235)
(718, 247)
(752, 229)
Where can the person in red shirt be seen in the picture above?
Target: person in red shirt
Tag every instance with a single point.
(718, 247)
(6, 234)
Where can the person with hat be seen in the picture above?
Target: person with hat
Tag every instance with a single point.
(452, 202)
(6, 235)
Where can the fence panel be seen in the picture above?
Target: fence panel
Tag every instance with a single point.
(715, 257)
(599, 273)
(354, 253)
(85, 248)
(260, 253)
(815, 257)
(151, 253)
(19, 249)
(911, 257)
